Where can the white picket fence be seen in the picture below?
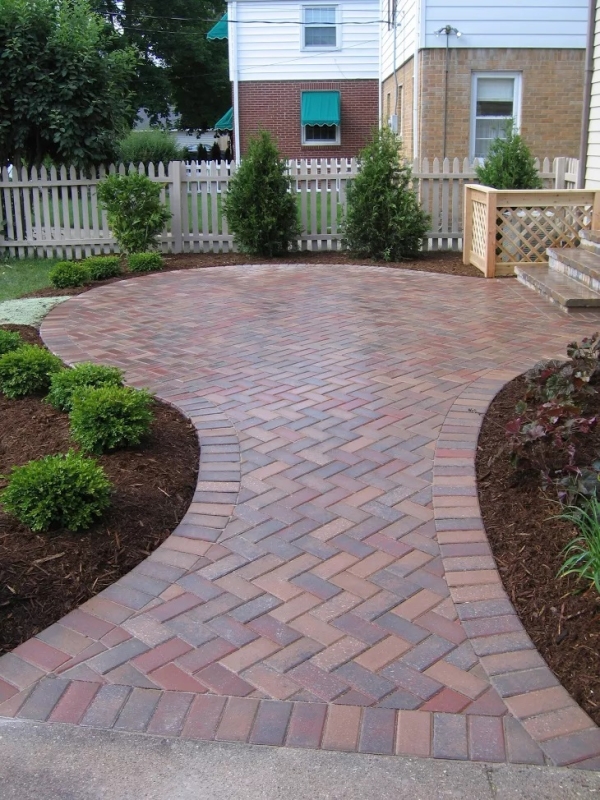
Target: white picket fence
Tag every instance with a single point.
(57, 213)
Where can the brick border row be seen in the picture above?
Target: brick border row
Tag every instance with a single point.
(515, 668)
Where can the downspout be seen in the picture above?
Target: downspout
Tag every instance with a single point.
(416, 78)
(395, 9)
(587, 95)
(233, 62)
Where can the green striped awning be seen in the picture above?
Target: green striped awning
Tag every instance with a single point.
(320, 108)
(226, 122)
(219, 31)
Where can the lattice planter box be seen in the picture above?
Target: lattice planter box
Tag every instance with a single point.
(507, 228)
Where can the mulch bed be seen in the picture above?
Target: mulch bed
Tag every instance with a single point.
(441, 262)
(44, 576)
(561, 617)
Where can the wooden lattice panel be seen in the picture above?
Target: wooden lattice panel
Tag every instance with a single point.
(525, 233)
(478, 245)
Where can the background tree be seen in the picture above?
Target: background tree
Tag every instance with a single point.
(179, 68)
(64, 93)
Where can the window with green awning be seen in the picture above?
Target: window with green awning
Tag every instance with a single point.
(320, 108)
(226, 122)
(220, 30)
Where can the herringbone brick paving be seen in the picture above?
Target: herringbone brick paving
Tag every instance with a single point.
(331, 585)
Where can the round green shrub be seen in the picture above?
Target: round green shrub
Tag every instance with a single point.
(27, 370)
(66, 383)
(145, 262)
(66, 491)
(69, 273)
(509, 163)
(102, 267)
(110, 417)
(9, 340)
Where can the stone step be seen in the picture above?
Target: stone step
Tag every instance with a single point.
(566, 293)
(580, 265)
(590, 240)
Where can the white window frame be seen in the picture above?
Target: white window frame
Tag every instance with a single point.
(321, 142)
(303, 26)
(517, 101)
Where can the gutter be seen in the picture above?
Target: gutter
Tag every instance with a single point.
(587, 95)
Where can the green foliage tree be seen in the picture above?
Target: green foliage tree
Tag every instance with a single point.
(153, 146)
(136, 214)
(260, 209)
(509, 164)
(384, 219)
(179, 68)
(64, 93)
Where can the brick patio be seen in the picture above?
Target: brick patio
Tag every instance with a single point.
(331, 585)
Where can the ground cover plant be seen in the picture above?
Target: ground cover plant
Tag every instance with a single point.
(538, 463)
(45, 574)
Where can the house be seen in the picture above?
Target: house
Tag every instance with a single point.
(446, 75)
(590, 139)
(454, 72)
(308, 72)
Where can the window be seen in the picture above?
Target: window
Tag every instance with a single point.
(495, 100)
(320, 27)
(320, 117)
(321, 134)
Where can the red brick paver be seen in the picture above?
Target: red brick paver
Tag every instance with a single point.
(331, 585)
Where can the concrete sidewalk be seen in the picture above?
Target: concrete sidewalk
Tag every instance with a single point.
(61, 762)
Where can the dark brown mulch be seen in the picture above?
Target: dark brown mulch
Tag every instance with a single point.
(442, 262)
(560, 615)
(44, 576)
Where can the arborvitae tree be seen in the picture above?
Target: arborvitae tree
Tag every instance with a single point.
(215, 152)
(384, 219)
(260, 208)
(509, 164)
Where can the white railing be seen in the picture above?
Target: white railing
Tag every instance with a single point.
(57, 213)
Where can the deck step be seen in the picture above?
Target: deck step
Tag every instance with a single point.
(581, 265)
(590, 241)
(567, 293)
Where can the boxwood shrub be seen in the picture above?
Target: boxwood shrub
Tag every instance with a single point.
(9, 340)
(60, 491)
(102, 267)
(145, 262)
(27, 370)
(66, 383)
(67, 274)
(110, 417)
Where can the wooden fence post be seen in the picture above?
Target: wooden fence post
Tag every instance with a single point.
(559, 172)
(175, 202)
(490, 239)
(596, 212)
(468, 226)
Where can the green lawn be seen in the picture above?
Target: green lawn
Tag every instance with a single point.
(21, 276)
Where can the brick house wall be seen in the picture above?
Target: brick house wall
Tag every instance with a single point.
(275, 107)
(406, 91)
(551, 97)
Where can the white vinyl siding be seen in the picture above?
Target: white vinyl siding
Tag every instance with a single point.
(495, 99)
(276, 52)
(509, 23)
(592, 173)
(405, 34)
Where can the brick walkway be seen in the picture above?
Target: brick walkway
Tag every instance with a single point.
(331, 585)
